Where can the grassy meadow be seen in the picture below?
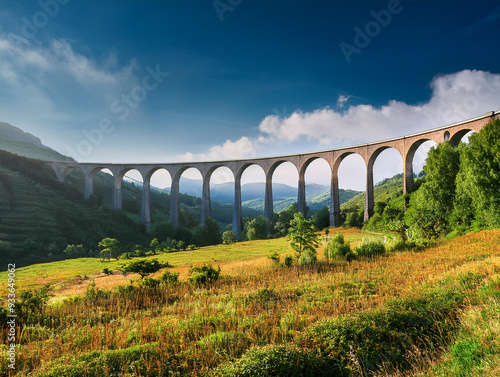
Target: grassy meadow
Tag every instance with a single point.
(431, 312)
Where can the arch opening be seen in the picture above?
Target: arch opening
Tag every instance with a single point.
(352, 184)
(285, 180)
(160, 185)
(131, 192)
(190, 193)
(253, 190)
(318, 177)
(388, 178)
(104, 182)
(222, 191)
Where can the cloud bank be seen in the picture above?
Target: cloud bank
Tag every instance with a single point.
(454, 97)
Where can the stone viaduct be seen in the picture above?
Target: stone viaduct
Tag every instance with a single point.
(405, 145)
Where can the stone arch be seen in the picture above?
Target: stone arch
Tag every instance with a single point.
(456, 138)
(408, 163)
(149, 216)
(206, 194)
(176, 174)
(370, 189)
(269, 188)
(302, 195)
(335, 213)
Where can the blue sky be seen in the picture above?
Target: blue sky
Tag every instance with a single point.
(205, 80)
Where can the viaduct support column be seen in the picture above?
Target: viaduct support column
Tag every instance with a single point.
(238, 212)
(268, 199)
(301, 198)
(117, 192)
(205, 199)
(334, 200)
(89, 186)
(174, 200)
(369, 197)
(146, 203)
(408, 173)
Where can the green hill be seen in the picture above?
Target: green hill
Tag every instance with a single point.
(389, 188)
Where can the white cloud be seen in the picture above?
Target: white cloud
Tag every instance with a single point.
(229, 150)
(342, 100)
(455, 97)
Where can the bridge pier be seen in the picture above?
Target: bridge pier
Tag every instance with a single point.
(238, 210)
(89, 186)
(268, 196)
(301, 195)
(205, 199)
(146, 203)
(117, 192)
(174, 200)
(334, 201)
(369, 196)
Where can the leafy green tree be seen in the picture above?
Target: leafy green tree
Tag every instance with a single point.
(211, 233)
(228, 237)
(321, 218)
(257, 229)
(432, 204)
(155, 245)
(162, 230)
(478, 183)
(74, 251)
(109, 248)
(142, 267)
(303, 238)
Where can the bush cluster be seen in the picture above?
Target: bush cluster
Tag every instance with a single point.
(205, 274)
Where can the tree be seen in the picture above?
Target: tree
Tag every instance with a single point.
(210, 234)
(303, 238)
(109, 248)
(321, 218)
(143, 267)
(228, 237)
(162, 230)
(257, 229)
(478, 182)
(432, 204)
(155, 245)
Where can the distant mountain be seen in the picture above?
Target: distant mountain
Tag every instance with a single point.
(252, 194)
(15, 140)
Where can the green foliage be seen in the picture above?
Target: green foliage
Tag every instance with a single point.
(162, 230)
(228, 237)
(149, 282)
(211, 233)
(302, 235)
(107, 271)
(288, 261)
(478, 200)
(338, 249)
(109, 248)
(275, 257)
(257, 229)
(205, 274)
(142, 267)
(432, 204)
(31, 305)
(169, 277)
(279, 360)
(321, 218)
(369, 340)
(370, 248)
(308, 258)
(75, 251)
(230, 343)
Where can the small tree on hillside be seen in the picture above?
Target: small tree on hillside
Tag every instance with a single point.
(109, 248)
(228, 237)
(143, 267)
(303, 238)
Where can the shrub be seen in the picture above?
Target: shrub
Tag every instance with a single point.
(142, 267)
(307, 258)
(169, 277)
(369, 248)
(148, 282)
(205, 274)
(288, 260)
(338, 249)
(275, 257)
(226, 343)
(228, 237)
(280, 360)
